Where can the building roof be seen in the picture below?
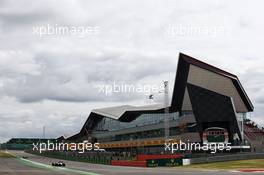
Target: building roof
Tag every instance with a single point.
(117, 112)
(191, 70)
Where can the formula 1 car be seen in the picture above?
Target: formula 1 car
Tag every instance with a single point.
(59, 163)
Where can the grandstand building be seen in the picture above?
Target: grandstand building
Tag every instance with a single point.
(208, 105)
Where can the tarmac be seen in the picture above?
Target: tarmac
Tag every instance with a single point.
(39, 165)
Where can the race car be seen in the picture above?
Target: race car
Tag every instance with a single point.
(59, 163)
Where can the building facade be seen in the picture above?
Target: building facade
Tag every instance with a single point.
(208, 105)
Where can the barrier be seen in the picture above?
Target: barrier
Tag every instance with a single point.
(142, 157)
(129, 163)
(145, 160)
(164, 162)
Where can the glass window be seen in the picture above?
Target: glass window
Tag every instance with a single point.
(108, 124)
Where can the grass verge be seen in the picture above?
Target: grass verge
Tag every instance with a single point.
(4, 154)
(232, 165)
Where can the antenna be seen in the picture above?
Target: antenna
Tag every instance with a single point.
(166, 111)
(44, 132)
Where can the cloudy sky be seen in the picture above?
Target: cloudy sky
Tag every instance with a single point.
(49, 78)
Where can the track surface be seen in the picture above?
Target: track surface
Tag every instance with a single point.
(15, 166)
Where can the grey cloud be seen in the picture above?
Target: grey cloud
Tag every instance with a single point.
(260, 100)
(21, 19)
(29, 123)
(76, 77)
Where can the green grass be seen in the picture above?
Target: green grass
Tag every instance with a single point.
(4, 154)
(239, 164)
